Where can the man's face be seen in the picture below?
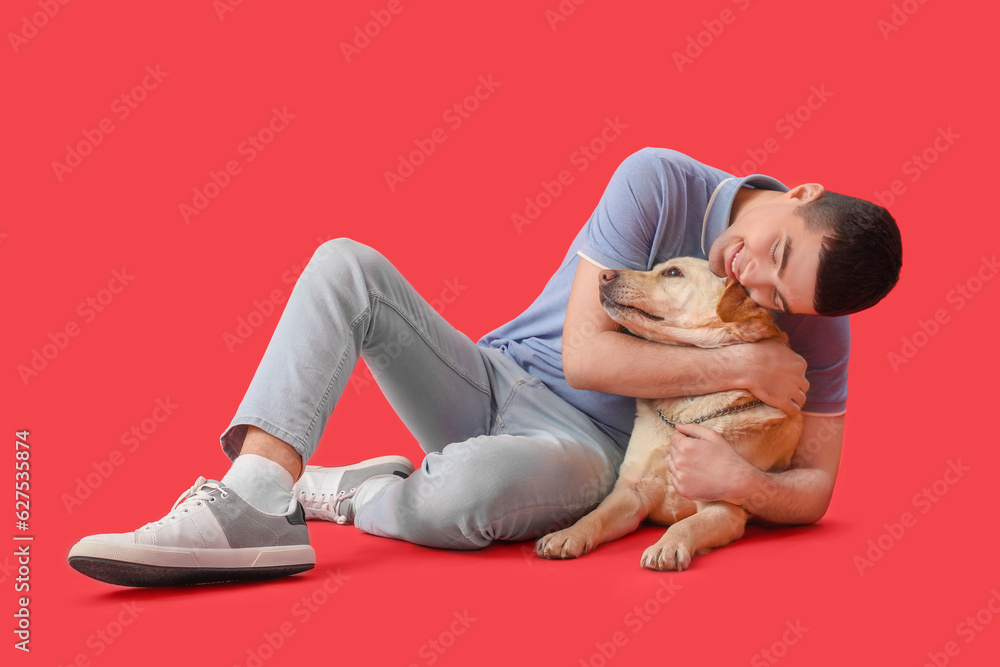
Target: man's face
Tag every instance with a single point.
(768, 250)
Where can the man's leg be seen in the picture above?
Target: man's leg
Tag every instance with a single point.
(349, 302)
(262, 443)
(542, 466)
(501, 487)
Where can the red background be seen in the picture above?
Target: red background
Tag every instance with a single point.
(323, 176)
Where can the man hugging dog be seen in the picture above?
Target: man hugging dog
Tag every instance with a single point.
(528, 426)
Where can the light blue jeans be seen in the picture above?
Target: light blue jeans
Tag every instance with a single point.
(507, 459)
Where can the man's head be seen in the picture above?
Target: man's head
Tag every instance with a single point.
(809, 250)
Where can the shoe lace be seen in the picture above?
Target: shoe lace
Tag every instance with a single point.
(341, 497)
(335, 507)
(200, 492)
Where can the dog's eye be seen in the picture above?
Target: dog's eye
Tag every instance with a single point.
(673, 272)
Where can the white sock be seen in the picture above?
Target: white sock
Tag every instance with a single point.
(261, 482)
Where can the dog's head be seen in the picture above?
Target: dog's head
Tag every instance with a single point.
(682, 302)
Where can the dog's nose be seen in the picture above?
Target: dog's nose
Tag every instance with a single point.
(607, 275)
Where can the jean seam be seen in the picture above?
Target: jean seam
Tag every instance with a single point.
(297, 442)
(501, 424)
(372, 294)
(333, 378)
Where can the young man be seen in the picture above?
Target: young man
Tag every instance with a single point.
(524, 430)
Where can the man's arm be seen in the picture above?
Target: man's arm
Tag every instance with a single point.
(598, 356)
(706, 467)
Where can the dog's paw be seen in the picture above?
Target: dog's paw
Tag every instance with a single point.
(667, 556)
(563, 544)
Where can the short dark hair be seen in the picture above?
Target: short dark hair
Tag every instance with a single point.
(862, 252)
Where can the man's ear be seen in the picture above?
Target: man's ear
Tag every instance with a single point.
(736, 304)
(806, 192)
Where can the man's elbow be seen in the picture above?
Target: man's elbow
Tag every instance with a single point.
(815, 516)
(579, 371)
(820, 509)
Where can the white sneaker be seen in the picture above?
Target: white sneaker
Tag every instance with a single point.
(211, 535)
(329, 493)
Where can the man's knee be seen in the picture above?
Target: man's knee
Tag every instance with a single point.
(336, 255)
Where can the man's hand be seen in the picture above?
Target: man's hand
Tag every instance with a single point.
(705, 466)
(775, 374)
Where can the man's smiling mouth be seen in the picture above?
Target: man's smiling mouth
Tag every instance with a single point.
(734, 265)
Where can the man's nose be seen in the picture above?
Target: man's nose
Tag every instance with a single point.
(753, 280)
(750, 277)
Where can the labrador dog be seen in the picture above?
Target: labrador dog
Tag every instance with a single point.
(681, 302)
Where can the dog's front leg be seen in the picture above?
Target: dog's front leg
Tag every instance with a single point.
(619, 514)
(714, 525)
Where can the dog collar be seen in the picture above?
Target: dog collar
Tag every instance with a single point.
(721, 413)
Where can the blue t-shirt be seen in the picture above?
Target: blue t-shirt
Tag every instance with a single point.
(661, 204)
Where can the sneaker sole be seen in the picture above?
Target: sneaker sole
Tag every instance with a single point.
(141, 565)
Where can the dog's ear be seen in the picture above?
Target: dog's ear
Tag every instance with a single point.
(743, 317)
(736, 304)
